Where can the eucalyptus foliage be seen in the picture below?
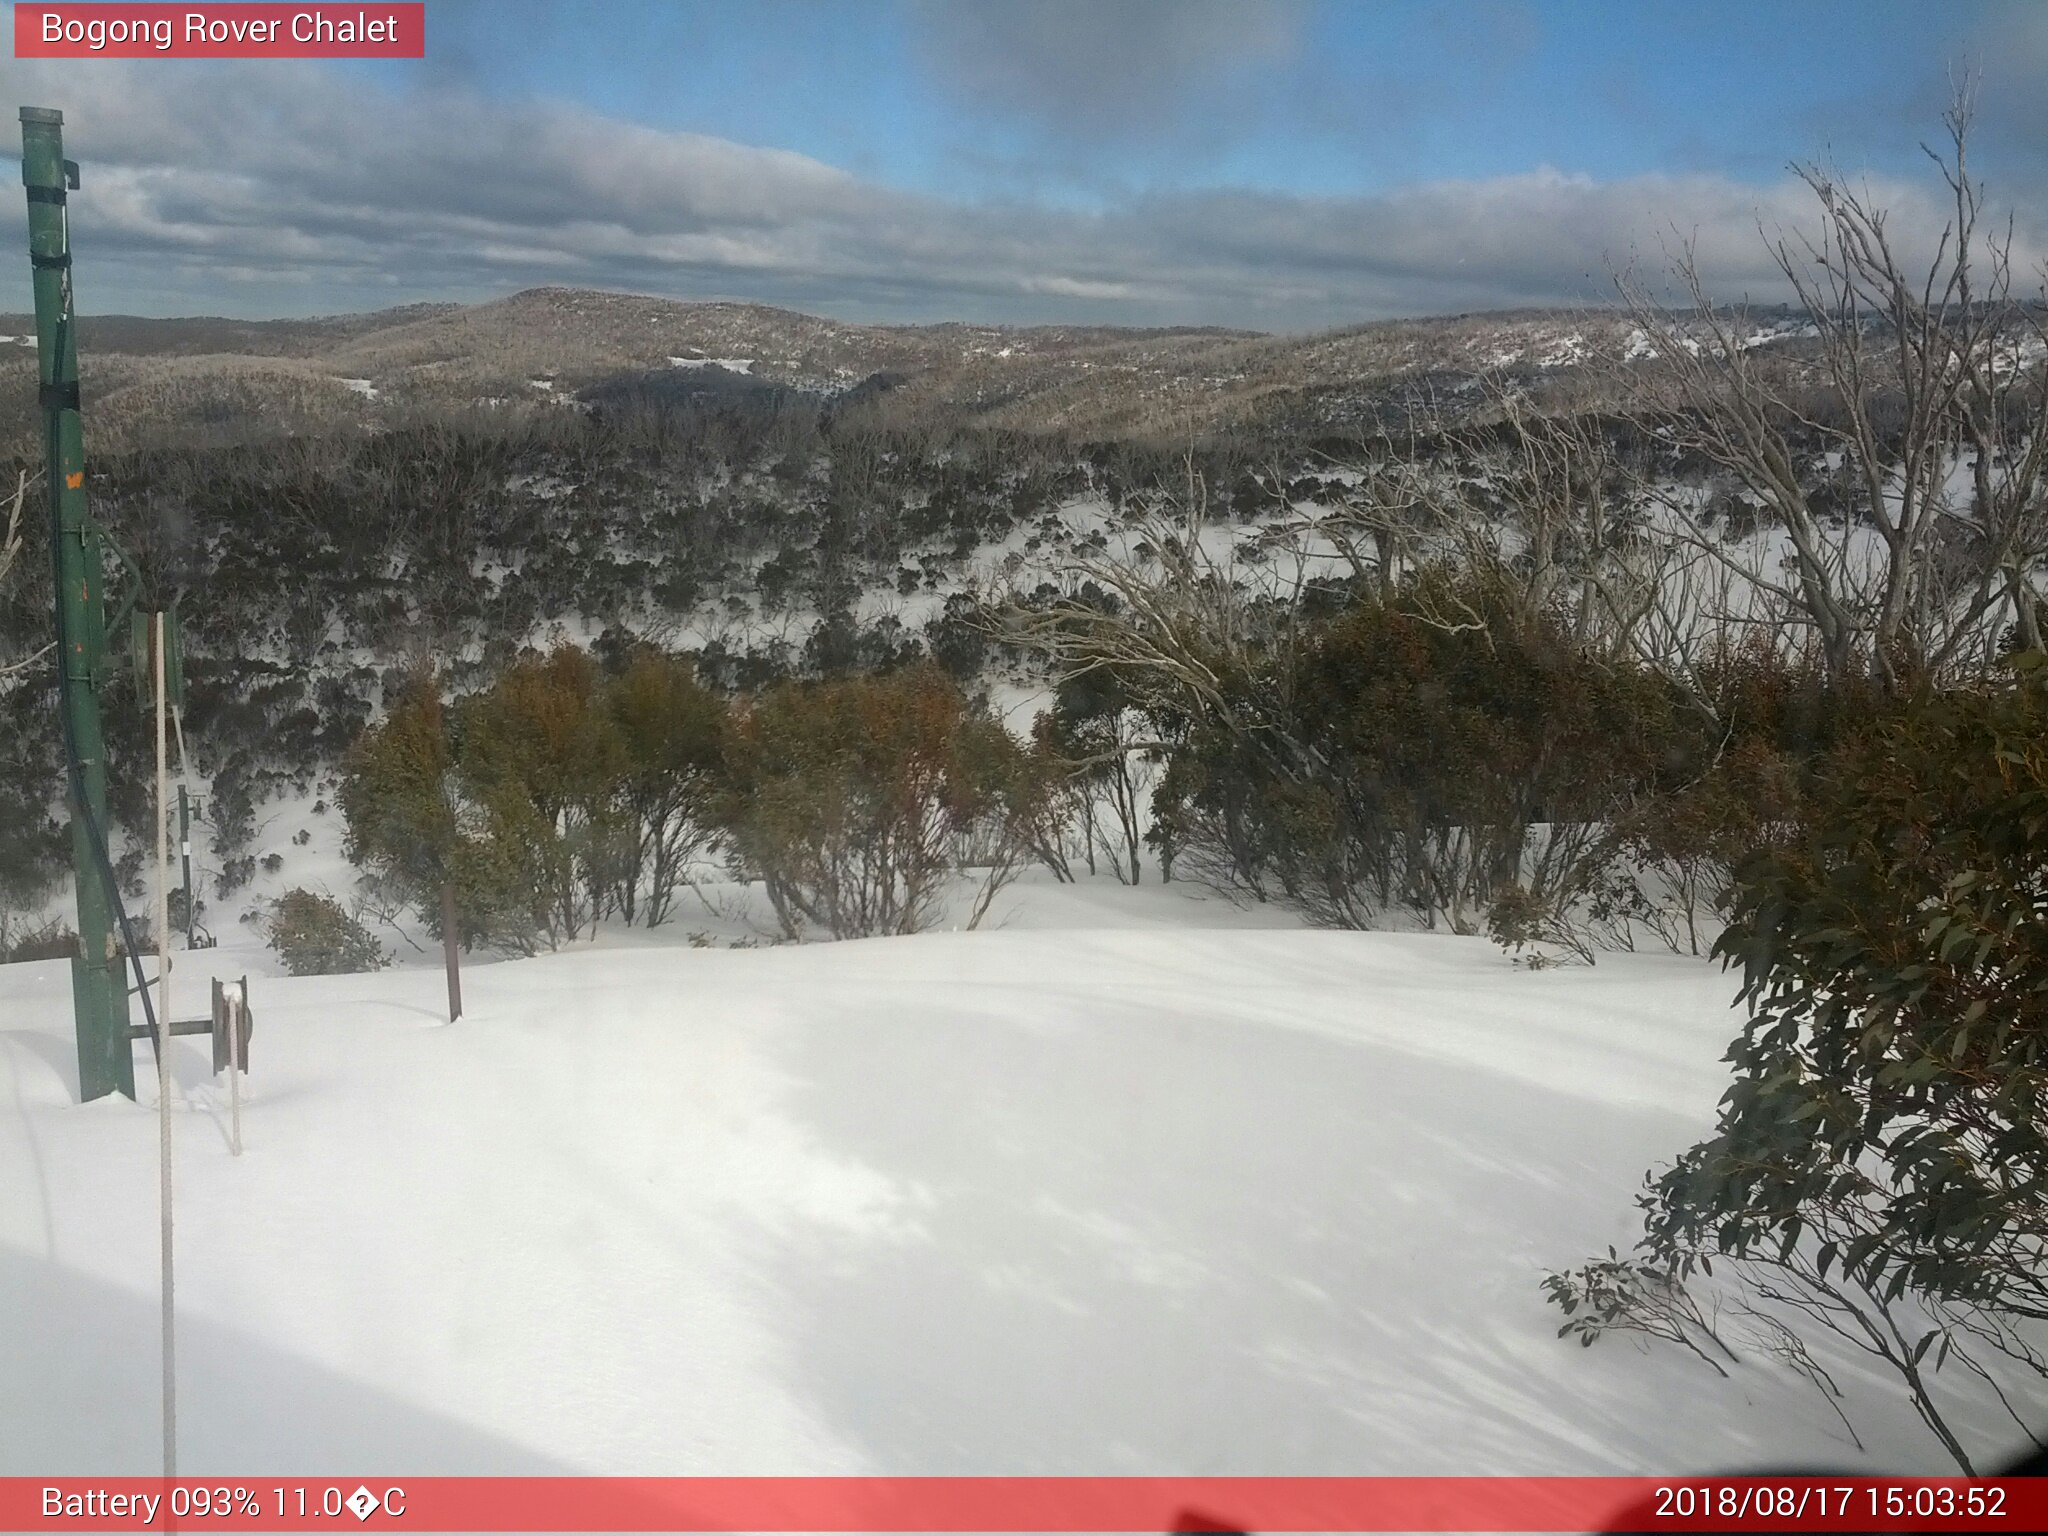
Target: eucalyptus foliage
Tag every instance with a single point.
(1888, 1086)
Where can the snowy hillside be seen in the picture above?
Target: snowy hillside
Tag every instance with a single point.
(179, 379)
(1135, 1183)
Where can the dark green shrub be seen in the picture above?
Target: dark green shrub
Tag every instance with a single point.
(1880, 1168)
(1895, 962)
(316, 936)
(1407, 763)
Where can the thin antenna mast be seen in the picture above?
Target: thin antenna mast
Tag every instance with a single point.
(163, 1043)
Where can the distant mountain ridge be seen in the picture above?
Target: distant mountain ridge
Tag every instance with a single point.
(146, 377)
(185, 336)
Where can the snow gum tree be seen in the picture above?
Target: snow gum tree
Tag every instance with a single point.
(397, 800)
(540, 758)
(857, 800)
(514, 795)
(671, 731)
(1095, 736)
(1880, 1169)
(1895, 961)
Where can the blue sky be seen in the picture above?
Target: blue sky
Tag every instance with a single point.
(1284, 164)
(1339, 97)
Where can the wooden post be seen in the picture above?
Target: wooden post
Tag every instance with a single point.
(448, 948)
(235, 1009)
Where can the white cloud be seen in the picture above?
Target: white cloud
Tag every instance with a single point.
(342, 194)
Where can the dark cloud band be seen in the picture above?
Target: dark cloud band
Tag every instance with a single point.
(296, 191)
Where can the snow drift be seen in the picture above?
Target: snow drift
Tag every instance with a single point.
(1134, 1184)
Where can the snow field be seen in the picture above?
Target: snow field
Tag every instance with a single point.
(1133, 1183)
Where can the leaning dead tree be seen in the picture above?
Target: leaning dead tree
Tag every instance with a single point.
(1187, 627)
(1546, 512)
(10, 552)
(1901, 473)
(10, 541)
(1542, 512)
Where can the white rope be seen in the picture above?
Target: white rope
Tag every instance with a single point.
(178, 727)
(163, 1056)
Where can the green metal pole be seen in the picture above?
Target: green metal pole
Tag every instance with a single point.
(99, 992)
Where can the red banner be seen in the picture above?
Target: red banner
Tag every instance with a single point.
(958, 1504)
(215, 31)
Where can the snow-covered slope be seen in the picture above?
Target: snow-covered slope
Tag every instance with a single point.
(1134, 1183)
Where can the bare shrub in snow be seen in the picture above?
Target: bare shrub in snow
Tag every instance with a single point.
(50, 939)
